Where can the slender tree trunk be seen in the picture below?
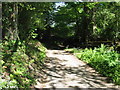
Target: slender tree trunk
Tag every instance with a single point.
(14, 27)
(84, 26)
(118, 23)
(78, 21)
(0, 22)
(91, 24)
(11, 30)
(47, 32)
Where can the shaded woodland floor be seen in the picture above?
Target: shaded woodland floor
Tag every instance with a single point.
(64, 70)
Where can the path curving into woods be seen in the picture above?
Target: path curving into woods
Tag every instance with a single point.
(64, 70)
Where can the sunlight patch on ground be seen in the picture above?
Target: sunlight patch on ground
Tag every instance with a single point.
(64, 70)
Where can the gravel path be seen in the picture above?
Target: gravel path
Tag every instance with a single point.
(64, 70)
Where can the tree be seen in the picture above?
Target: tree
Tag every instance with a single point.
(0, 22)
(10, 20)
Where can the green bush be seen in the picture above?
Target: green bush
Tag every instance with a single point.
(16, 59)
(104, 59)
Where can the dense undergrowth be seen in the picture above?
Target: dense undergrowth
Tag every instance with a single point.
(18, 62)
(104, 59)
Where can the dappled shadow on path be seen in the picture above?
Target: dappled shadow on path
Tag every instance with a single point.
(61, 75)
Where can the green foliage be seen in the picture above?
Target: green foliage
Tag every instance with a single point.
(7, 84)
(104, 59)
(97, 20)
(36, 50)
(70, 50)
(16, 62)
(31, 17)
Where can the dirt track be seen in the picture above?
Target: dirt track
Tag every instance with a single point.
(64, 70)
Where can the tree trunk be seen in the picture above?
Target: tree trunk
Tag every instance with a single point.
(14, 28)
(84, 26)
(0, 22)
(77, 31)
(11, 32)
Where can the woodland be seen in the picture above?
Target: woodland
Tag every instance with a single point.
(90, 30)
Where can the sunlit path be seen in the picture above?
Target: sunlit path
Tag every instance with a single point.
(64, 70)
